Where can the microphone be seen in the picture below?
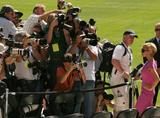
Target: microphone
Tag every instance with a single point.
(135, 70)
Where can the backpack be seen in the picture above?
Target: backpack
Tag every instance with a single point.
(107, 52)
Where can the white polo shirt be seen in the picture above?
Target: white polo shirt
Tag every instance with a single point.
(8, 27)
(30, 22)
(89, 70)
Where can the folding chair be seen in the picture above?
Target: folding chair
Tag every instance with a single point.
(129, 113)
(151, 112)
(74, 115)
(102, 115)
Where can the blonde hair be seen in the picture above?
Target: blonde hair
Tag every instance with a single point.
(151, 46)
(157, 24)
(39, 6)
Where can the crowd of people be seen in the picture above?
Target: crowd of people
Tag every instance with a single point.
(59, 52)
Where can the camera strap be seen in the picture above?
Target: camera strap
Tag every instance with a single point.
(80, 54)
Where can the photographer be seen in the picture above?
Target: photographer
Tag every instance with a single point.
(89, 53)
(7, 14)
(66, 74)
(39, 15)
(27, 81)
(86, 51)
(58, 39)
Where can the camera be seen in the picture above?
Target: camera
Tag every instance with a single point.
(70, 58)
(38, 66)
(12, 43)
(82, 64)
(18, 51)
(41, 41)
(89, 38)
(74, 11)
(92, 22)
(62, 22)
(38, 38)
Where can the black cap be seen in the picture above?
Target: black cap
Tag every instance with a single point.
(18, 13)
(131, 33)
(6, 9)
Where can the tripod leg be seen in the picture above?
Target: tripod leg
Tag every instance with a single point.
(136, 92)
(130, 97)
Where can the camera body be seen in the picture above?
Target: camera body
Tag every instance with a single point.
(89, 38)
(12, 43)
(38, 38)
(38, 66)
(19, 51)
(41, 41)
(62, 19)
(82, 64)
(74, 11)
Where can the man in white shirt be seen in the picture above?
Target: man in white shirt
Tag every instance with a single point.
(39, 16)
(33, 19)
(89, 54)
(122, 60)
(6, 16)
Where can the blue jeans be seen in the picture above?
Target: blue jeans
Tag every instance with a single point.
(78, 97)
(89, 99)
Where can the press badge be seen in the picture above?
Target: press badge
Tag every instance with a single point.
(55, 47)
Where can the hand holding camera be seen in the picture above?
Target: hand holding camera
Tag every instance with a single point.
(35, 44)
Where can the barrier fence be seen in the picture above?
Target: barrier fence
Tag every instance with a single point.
(7, 92)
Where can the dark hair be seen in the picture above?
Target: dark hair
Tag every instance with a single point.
(6, 9)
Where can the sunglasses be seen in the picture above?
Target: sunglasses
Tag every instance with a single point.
(157, 29)
(143, 50)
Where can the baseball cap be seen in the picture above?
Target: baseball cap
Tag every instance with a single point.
(131, 33)
(6, 9)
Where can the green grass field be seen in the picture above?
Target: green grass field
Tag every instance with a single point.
(112, 18)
